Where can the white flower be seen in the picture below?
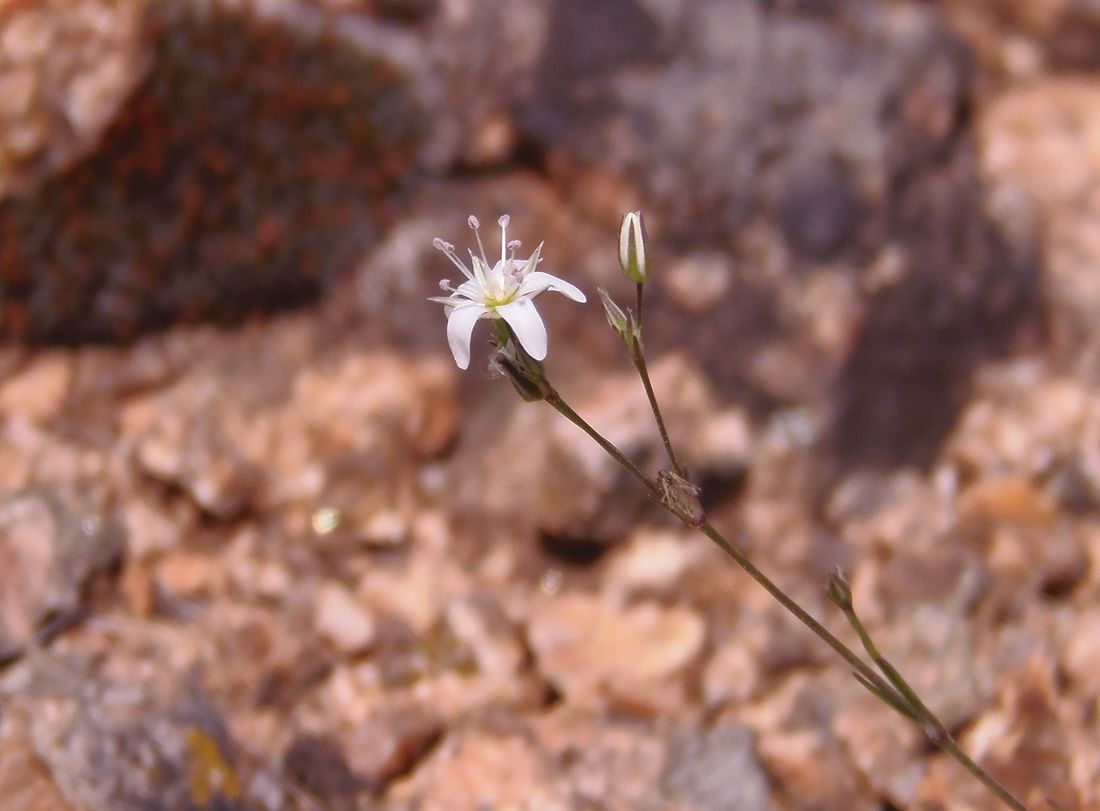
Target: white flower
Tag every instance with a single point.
(503, 290)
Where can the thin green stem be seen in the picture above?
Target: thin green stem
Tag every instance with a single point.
(900, 696)
(952, 748)
(867, 674)
(891, 673)
(563, 408)
(887, 698)
(643, 372)
(933, 727)
(734, 552)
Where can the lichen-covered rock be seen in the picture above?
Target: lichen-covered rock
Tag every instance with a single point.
(250, 168)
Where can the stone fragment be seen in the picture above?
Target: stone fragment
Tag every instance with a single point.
(477, 769)
(392, 743)
(190, 575)
(39, 391)
(885, 751)
(606, 762)
(198, 457)
(796, 746)
(342, 619)
(53, 546)
(481, 625)
(1026, 134)
(1082, 651)
(653, 562)
(25, 784)
(717, 770)
(601, 654)
(734, 673)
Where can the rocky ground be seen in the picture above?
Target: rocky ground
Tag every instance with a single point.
(262, 546)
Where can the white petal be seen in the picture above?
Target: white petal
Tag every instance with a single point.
(472, 291)
(460, 328)
(525, 321)
(538, 282)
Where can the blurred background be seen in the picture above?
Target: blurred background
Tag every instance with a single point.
(262, 546)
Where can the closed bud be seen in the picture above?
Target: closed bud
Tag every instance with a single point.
(632, 247)
(528, 375)
(838, 590)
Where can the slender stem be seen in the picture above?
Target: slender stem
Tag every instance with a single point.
(925, 715)
(563, 408)
(643, 372)
(738, 556)
(892, 699)
(905, 702)
(851, 657)
(952, 748)
(933, 727)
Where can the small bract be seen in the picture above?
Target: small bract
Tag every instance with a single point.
(504, 289)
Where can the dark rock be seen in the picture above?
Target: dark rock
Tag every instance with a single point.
(318, 765)
(819, 211)
(407, 11)
(248, 171)
(855, 151)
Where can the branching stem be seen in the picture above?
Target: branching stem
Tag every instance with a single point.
(638, 354)
(892, 690)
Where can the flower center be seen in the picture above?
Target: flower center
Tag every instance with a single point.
(501, 285)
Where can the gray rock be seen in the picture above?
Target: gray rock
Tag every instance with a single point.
(716, 770)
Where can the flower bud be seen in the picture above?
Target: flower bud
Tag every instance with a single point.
(528, 375)
(838, 590)
(632, 248)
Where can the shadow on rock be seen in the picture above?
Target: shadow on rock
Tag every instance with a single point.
(823, 235)
(967, 298)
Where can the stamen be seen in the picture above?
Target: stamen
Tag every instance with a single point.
(479, 270)
(474, 224)
(446, 286)
(449, 250)
(503, 223)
